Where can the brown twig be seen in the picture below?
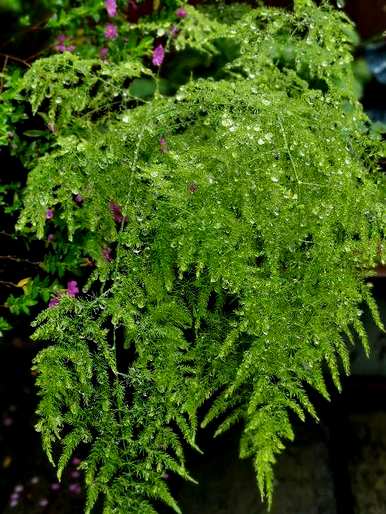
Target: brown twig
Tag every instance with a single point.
(18, 259)
(16, 59)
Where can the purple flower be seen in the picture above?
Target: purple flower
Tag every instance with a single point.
(76, 461)
(103, 52)
(78, 199)
(50, 238)
(15, 496)
(43, 502)
(55, 486)
(72, 288)
(181, 12)
(106, 254)
(111, 31)
(49, 214)
(111, 7)
(75, 488)
(13, 503)
(61, 46)
(117, 212)
(158, 55)
(174, 31)
(163, 145)
(52, 303)
(75, 474)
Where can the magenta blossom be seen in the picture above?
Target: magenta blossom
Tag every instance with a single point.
(50, 238)
(61, 46)
(174, 31)
(163, 145)
(78, 199)
(117, 212)
(75, 488)
(181, 12)
(49, 214)
(111, 31)
(53, 302)
(111, 7)
(55, 486)
(72, 288)
(76, 461)
(103, 52)
(158, 55)
(106, 254)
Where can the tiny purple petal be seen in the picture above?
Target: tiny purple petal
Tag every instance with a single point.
(61, 38)
(52, 303)
(78, 199)
(76, 461)
(106, 254)
(75, 488)
(72, 288)
(174, 31)
(111, 31)
(61, 47)
(43, 502)
(163, 145)
(13, 503)
(49, 214)
(55, 486)
(181, 12)
(111, 7)
(15, 497)
(103, 53)
(75, 474)
(50, 238)
(117, 212)
(158, 55)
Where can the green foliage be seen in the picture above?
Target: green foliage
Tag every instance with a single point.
(251, 211)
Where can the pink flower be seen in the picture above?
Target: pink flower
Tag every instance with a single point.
(49, 214)
(53, 302)
(50, 238)
(76, 461)
(106, 254)
(55, 486)
(174, 31)
(78, 199)
(158, 55)
(181, 12)
(111, 7)
(72, 288)
(111, 31)
(75, 488)
(163, 145)
(117, 212)
(103, 52)
(61, 38)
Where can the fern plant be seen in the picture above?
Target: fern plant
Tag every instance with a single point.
(233, 226)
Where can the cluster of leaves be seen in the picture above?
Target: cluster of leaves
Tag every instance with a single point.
(55, 27)
(232, 226)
